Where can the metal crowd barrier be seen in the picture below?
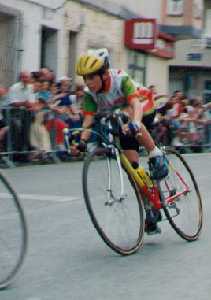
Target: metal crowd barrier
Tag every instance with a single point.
(16, 145)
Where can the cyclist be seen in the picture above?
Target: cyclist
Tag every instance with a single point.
(106, 90)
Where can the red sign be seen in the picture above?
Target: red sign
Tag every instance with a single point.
(140, 33)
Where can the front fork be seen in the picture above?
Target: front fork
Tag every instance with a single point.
(110, 197)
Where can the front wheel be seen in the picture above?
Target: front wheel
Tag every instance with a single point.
(113, 202)
(13, 233)
(181, 198)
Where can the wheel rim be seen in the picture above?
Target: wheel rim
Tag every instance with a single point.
(13, 234)
(185, 211)
(118, 218)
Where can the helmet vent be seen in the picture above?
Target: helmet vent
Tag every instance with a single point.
(86, 61)
(93, 63)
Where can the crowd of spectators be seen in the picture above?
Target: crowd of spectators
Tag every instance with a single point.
(34, 112)
(36, 109)
(183, 123)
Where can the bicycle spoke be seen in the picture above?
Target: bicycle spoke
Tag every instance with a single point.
(182, 201)
(117, 217)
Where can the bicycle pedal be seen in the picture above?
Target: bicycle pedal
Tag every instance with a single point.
(172, 206)
(172, 192)
(156, 231)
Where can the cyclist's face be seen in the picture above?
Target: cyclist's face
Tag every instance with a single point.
(93, 82)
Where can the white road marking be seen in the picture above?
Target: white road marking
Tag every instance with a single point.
(52, 198)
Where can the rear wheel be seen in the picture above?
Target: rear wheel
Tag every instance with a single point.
(117, 215)
(181, 198)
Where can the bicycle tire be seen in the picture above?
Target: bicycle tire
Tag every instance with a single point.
(138, 209)
(8, 213)
(182, 168)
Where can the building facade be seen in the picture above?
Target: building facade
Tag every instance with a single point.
(188, 21)
(32, 36)
(102, 24)
(191, 67)
(38, 33)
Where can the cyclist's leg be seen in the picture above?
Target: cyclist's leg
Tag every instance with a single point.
(131, 146)
(152, 215)
(157, 161)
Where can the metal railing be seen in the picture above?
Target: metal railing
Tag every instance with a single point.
(15, 148)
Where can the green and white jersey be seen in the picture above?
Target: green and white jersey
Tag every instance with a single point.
(121, 89)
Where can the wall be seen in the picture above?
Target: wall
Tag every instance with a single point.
(92, 27)
(96, 29)
(7, 50)
(185, 47)
(33, 17)
(157, 74)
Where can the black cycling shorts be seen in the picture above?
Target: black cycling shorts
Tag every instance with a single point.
(2, 124)
(129, 142)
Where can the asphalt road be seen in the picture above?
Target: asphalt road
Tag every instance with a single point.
(66, 259)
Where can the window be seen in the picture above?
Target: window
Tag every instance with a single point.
(207, 85)
(137, 66)
(208, 22)
(175, 7)
(198, 9)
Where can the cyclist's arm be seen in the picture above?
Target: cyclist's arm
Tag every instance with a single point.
(133, 99)
(89, 109)
(137, 110)
(87, 124)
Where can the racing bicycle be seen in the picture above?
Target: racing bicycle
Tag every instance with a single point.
(13, 233)
(117, 195)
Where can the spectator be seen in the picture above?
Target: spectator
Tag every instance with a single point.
(76, 106)
(156, 96)
(3, 126)
(45, 74)
(56, 127)
(167, 119)
(44, 91)
(3, 94)
(190, 131)
(65, 109)
(79, 94)
(21, 93)
(61, 102)
(39, 135)
(34, 77)
(21, 96)
(207, 108)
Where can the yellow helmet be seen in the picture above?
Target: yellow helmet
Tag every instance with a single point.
(92, 62)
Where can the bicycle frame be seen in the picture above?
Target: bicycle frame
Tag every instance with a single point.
(145, 184)
(171, 198)
(129, 192)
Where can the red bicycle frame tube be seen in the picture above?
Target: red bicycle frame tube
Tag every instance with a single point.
(185, 191)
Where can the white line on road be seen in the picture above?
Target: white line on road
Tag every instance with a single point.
(38, 197)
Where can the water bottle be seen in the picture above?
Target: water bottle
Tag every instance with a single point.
(145, 177)
(148, 188)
